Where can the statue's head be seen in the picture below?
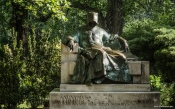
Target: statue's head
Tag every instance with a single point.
(92, 19)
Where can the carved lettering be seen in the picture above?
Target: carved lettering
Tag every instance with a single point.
(74, 100)
(108, 100)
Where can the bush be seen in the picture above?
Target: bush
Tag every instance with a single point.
(11, 67)
(141, 38)
(165, 55)
(155, 43)
(29, 77)
(42, 69)
(167, 90)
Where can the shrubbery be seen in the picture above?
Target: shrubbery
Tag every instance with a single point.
(29, 78)
(140, 37)
(152, 42)
(11, 66)
(167, 90)
(165, 55)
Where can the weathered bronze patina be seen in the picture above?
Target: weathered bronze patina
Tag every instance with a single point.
(97, 62)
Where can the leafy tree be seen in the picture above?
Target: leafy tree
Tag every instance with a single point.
(165, 56)
(42, 69)
(21, 11)
(11, 66)
(39, 69)
(156, 44)
(161, 11)
(140, 32)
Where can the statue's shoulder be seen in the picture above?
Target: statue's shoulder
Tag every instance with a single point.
(98, 28)
(82, 28)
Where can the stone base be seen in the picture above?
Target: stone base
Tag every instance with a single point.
(104, 100)
(104, 87)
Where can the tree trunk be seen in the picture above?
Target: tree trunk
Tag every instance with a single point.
(114, 18)
(19, 15)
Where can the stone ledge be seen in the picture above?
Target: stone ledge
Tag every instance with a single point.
(104, 100)
(68, 57)
(135, 67)
(138, 69)
(104, 87)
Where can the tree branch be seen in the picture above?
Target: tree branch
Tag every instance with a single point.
(46, 17)
(84, 7)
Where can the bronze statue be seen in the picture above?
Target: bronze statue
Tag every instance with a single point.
(96, 62)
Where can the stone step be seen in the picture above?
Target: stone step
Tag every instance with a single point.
(104, 87)
(104, 100)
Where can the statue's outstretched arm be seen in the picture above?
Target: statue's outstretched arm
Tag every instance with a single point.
(124, 44)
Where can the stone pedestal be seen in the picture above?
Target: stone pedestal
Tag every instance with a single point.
(103, 96)
(104, 100)
(105, 88)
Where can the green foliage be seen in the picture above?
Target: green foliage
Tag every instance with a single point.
(40, 8)
(165, 37)
(167, 90)
(161, 11)
(155, 43)
(76, 19)
(42, 69)
(4, 21)
(29, 78)
(139, 32)
(165, 56)
(93, 5)
(11, 67)
(155, 82)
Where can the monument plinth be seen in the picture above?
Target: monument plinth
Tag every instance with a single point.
(137, 95)
(103, 100)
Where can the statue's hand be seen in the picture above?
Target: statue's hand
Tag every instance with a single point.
(124, 44)
(71, 44)
(106, 48)
(126, 48)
